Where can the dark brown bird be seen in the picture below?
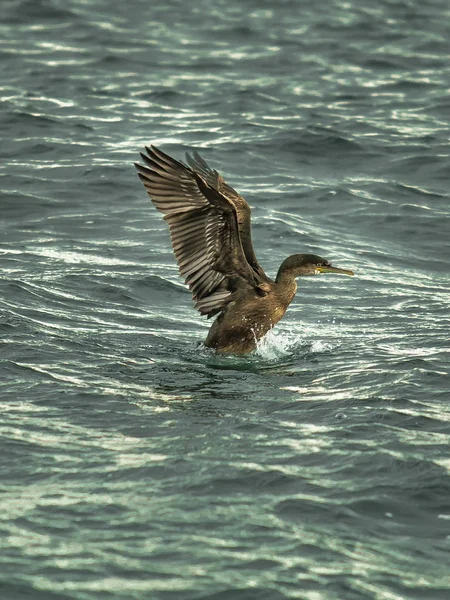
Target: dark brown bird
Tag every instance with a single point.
(210, 229)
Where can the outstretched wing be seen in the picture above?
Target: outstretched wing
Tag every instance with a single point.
(216, 181)
(203, 228)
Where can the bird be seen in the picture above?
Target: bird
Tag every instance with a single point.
(210, 230)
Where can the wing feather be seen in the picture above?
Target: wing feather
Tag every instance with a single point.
(204, 225)
(212, 178)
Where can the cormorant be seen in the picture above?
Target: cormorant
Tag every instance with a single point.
(210, 230)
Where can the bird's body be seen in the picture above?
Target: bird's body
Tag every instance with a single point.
(210, 229)
(248, 318)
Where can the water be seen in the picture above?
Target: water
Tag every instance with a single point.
(135, 463)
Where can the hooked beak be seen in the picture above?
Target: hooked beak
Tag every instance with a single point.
(331, 269)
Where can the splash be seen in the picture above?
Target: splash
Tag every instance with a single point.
(273, 347)
(276, 345)
(319, 347)
(281, 344)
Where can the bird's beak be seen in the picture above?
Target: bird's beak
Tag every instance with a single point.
(330, 269)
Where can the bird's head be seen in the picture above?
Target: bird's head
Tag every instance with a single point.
(301, 265)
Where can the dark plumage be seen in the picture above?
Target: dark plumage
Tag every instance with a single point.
(209, 225)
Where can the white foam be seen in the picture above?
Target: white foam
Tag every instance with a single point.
(275, 345)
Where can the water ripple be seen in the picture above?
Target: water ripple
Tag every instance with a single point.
(315, 468)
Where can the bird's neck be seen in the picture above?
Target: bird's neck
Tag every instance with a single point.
(285, 286)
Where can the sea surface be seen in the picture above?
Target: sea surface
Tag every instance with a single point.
(134, 463)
